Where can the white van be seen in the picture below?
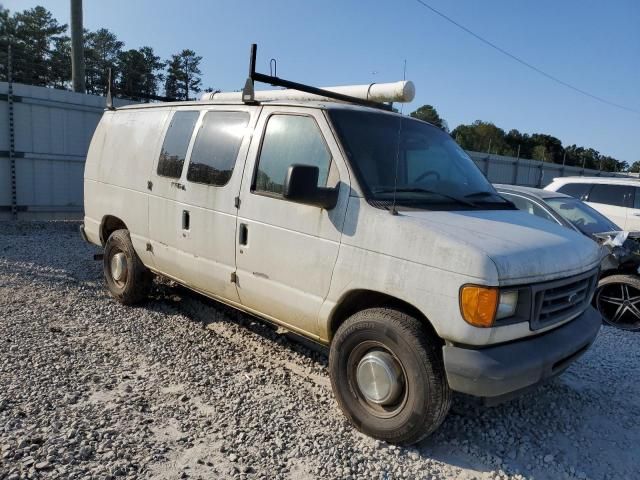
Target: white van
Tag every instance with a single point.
(361, 229)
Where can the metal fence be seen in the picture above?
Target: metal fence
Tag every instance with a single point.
(44, 138)
(45, 135)
(530, 173)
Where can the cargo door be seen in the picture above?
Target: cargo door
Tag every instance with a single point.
(166, 190)
(209, 203)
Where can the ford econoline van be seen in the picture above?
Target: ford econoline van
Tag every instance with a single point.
(364, 230)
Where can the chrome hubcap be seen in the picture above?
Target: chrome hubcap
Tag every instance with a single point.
(119, 267)
(379, 378)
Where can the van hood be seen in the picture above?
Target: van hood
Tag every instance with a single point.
(524, 248)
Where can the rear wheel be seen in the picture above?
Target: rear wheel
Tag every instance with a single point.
(617, 299)
(127, 279)
(387, 374)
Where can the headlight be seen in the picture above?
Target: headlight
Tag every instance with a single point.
(478, 305)
(507, 304)
(482, 306)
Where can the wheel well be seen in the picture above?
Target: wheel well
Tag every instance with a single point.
(358, 300)
(109, 225)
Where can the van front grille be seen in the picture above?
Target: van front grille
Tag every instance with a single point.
(559, 300)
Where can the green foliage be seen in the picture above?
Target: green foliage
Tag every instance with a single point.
(6, 30)
(41, 55)
(33, 34)
(61, 63)
(101, 51)
(139, 73)
(183, 75)
(428, 113)
(635, 167)
(486, 137)
(481, 137)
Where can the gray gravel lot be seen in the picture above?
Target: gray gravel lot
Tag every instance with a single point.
(183, 387)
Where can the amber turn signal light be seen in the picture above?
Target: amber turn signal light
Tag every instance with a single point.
(478, 305)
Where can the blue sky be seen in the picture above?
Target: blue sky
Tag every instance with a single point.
(591, 44)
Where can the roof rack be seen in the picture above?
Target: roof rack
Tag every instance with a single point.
(248, 93)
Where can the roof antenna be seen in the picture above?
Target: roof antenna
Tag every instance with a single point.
(109, 99)
(393, 210)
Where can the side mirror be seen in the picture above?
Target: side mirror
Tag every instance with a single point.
(301, 185)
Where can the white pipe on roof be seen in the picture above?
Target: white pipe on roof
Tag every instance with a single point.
(402, 91)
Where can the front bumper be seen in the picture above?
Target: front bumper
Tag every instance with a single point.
(506, 369)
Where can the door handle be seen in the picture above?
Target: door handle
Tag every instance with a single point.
(636, 214)
(243, 234)
(186, 220)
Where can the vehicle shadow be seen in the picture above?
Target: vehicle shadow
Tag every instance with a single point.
(206, 312)
(511, 438)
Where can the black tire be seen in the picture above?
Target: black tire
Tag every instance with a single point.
(617, 298)
(425, 398)
(133, 285)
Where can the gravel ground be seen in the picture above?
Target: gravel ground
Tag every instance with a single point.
(183, 387)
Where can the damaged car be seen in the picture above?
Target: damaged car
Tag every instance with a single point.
(617, 296)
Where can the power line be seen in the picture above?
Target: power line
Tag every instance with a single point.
(525, 63)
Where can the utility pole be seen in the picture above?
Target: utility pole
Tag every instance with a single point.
(77, 47)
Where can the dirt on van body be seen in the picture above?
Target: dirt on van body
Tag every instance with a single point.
(183, 387)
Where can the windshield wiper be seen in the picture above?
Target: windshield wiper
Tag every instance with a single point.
(487, 194)
(425, 190)
(481, 194)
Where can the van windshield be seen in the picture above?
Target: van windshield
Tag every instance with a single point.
(432, 170)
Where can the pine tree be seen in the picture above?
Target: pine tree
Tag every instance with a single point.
(60, 75)
(6, 31)
(138, 73)
(183, 75)
(102, 49)
(171, 84)
(34, 33)
(152, 71)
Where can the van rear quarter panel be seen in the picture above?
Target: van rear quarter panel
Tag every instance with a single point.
(118, 168)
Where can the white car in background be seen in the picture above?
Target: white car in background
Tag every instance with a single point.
(616, 198)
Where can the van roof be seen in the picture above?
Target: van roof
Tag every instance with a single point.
(324, 105)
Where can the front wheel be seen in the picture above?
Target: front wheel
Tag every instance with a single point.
(617, 298)
(388, 377)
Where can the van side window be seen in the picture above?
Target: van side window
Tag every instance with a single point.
(576, 190)
(176, 142)
(290, 139)
(216, 147)
(618, 195)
